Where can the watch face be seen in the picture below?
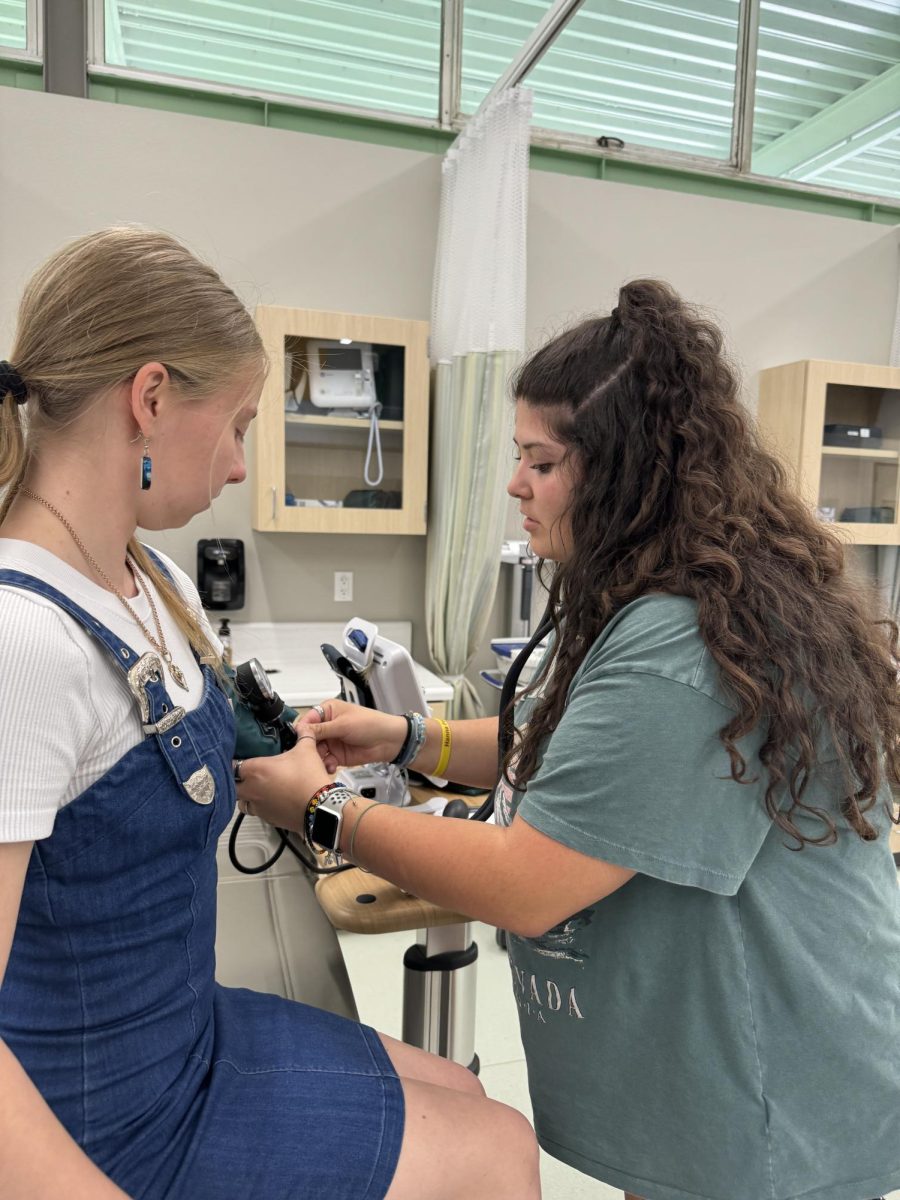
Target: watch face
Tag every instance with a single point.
(325, 829)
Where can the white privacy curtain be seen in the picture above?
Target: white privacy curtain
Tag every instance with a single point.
(477, 337)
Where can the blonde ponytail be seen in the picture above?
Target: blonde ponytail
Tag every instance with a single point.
(13, 456)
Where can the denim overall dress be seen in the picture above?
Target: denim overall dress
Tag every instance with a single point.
(175, 1086)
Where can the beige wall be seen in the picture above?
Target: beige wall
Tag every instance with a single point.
(784, 284)
(323, 223)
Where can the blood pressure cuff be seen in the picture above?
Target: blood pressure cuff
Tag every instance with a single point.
(254, 739)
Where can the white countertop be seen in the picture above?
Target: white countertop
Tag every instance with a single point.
(289, 650)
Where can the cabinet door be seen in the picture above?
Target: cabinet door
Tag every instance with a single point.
(325, 460)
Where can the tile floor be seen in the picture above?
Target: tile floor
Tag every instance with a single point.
(375, 965)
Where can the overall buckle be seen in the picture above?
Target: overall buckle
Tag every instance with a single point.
(148, 669)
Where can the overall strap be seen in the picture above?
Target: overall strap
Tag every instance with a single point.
(144, 675)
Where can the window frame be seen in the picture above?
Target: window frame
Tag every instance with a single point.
(450, 119)
(98, 68)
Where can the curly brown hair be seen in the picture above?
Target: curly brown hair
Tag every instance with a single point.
(676, 494)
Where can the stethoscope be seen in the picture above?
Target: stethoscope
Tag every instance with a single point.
(506, 724)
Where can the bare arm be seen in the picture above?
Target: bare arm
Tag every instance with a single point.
(38, 1158)
(473, 752)
(515, 878)
(349, 735)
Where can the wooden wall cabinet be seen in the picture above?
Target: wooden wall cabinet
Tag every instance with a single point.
(856, 484)
(309, 462)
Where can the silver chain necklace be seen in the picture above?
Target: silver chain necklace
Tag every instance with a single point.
(159, 642)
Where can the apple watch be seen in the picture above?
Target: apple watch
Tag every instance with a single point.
(325, 814)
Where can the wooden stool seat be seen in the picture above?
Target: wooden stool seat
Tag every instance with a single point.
(362, 903)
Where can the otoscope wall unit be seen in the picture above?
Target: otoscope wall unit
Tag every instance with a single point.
(341, 440)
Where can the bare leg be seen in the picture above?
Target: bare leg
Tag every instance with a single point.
(412, 1063)
(457, 1142)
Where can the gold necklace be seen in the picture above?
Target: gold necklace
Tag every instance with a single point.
(159, 642)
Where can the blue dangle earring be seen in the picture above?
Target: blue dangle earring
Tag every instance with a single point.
(146, 467)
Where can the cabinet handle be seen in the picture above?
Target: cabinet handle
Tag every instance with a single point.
(274, 501)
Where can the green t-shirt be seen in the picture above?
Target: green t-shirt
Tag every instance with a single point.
(725, 1026)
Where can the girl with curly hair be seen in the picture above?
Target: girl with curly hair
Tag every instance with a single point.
(691, 849)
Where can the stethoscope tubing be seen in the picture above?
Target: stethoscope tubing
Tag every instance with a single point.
(506, 724)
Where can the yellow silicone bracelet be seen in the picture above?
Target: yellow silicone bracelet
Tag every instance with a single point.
(446, 740)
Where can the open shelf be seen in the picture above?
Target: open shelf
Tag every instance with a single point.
(851, 452)
(362, 424)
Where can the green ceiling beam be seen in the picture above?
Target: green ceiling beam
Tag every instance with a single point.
(860, 110)
(854, 148)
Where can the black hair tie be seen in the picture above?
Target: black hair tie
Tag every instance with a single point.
(12, 381)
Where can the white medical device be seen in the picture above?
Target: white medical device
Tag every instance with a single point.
(377, 673)
(341, 374)
(387, 667)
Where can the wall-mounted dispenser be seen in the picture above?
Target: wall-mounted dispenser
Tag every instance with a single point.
(220, 572)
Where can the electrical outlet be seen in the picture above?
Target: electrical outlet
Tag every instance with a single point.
(343, 585)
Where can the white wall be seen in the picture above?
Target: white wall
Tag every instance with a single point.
(301, 220)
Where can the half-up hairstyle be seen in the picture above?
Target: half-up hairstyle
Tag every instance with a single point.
(91, 316)
(676, 494)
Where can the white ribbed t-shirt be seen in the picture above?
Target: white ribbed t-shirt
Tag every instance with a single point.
(66, 713)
